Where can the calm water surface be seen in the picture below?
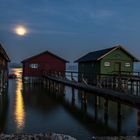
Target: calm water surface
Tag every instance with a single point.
(34, 109)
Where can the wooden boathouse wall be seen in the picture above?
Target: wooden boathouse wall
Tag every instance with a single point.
(46, 62)
(4, 59)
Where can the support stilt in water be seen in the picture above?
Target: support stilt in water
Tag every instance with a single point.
(73, 96)
(62, 89)
(1, 103)
(84, 100)
(49, 82)
(52, 86)
(137, 88)
(132, 89)
(106, 110)
(119, 117)
(138, 122)
(96, 107)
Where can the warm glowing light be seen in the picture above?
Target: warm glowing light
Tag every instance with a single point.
(20, 30)
(19, 107)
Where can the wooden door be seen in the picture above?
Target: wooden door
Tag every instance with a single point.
(117, 67)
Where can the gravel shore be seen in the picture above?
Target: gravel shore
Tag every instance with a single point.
(54, 136)
(117, 138)
(49, 136)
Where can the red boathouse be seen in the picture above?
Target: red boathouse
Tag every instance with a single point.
(46, 62)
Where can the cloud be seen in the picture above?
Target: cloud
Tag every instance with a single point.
(92, 13)
(47, 31)
(101, 14)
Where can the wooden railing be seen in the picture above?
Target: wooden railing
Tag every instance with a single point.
(127, 73)
(122, 80)
(90, 77)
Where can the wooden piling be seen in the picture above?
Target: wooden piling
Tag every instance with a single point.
(138, 122)
(73, 94)
(96, 107)
(119, 117)
(106, 110)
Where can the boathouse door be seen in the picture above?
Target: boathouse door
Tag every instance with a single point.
(117, 67)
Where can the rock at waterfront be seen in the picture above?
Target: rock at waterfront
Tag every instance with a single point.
(49, 136)
(117, 138)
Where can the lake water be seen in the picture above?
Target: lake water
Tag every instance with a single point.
(34, 109)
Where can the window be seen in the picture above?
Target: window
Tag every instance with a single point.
(127, 64)
(107, 64)
(34, 66)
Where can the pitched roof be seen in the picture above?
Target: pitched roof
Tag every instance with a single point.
(46, 52)
(98, 55)
(4, 54)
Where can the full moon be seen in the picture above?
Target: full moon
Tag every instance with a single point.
(20, 30)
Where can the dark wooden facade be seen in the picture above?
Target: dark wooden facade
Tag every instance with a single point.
(4, 59)
(46, 62)
(107, 61)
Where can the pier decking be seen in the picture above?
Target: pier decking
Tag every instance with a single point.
(119, 94)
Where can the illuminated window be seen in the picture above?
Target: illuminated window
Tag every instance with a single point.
(34, 66)
(107, 64)
(127, 64)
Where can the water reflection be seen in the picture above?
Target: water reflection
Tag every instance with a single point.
(138, 122)
(67, 110)
(19, 107)
(113, 117)
(3, 110)
(16, 71)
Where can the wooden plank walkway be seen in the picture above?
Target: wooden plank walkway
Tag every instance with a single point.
(110, 94)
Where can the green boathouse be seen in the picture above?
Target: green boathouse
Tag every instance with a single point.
(106, 61)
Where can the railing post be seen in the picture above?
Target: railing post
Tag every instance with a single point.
(72, 79)
(84, 80)
(98, 81)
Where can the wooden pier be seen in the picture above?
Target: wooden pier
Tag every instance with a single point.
(56, 90)
(124, 88)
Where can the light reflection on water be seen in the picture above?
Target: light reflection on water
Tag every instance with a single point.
(19, 111)
(17, 71)
(19, 107)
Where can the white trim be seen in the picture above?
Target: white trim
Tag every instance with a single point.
(135, 59)
(107, 53)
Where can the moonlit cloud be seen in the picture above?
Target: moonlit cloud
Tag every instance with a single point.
(48, 31)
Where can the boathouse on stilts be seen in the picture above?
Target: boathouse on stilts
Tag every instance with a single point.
(44, 63)
(110, 62)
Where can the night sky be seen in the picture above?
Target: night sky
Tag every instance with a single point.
(69, 28)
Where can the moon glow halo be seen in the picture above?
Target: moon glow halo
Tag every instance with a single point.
(20, 30)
